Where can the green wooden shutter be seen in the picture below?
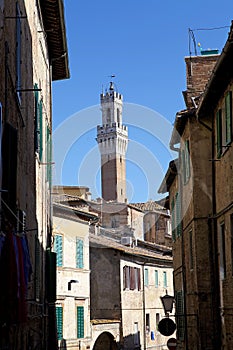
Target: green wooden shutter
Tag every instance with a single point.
(146, 277)
(79, 253)
(59, 317)
(156, 278)
(80, 322)
(219, 132)
(228, 117)
(58, 247)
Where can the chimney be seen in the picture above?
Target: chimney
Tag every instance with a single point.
(198, 72)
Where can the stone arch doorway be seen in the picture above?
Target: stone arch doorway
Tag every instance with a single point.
(105, 341)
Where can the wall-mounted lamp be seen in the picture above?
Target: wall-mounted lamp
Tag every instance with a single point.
(167, 301)
(71, 281)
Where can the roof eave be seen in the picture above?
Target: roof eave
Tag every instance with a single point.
(54, 26)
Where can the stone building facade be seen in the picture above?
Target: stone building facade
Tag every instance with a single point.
(215, 111)
(126, 285)
(71, 244)
(32, 57)
(200, 204)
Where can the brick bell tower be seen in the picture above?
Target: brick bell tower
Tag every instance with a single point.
(112, 138)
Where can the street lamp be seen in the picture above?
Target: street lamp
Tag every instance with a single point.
(167, 301)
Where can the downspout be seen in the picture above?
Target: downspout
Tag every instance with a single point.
(183, 262)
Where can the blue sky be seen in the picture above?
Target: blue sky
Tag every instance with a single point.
(144, 44)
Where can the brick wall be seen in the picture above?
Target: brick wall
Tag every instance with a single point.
(198, 71)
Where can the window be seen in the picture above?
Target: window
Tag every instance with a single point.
(79, 253)
(59, 317)
(191, 250)
(18, 51)
(146, 278)
(38, 123)
(164, 279)
(185, 158)
(156, 278)
(137, 278)
(228, 117)
(136, 334)
(80, 322)
(58, 248)
(222, 251)
(219, 132)
(180, 322)
(131, 278)
(147, 323)
(224, 125)
(126, 277)
(115, 221)
(48, 154)
(176, 216)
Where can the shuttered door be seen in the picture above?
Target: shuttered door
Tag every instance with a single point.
(59, 317)
(80, 322)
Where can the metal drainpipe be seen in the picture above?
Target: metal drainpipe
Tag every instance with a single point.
(183, 262)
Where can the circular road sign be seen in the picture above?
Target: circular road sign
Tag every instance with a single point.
(171, 343)
(166, 327)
